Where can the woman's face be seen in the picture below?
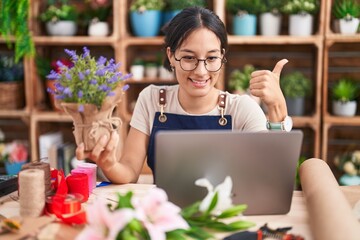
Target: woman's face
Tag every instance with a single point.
(200, 44)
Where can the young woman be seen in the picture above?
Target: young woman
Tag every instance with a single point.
(196, 45)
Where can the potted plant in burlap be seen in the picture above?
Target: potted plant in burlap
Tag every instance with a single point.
(89, 91)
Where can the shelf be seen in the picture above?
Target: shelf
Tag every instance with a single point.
(74, 40)
(51, 117)
(341, 38)
(276, 40)
(340, 121)
(14, 113)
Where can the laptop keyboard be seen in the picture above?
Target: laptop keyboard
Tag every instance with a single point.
(8, 184)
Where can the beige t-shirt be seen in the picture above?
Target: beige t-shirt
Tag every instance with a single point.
(246, 113)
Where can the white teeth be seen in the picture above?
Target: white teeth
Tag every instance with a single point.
(198, 81)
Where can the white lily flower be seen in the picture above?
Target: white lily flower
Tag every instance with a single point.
(224, 195)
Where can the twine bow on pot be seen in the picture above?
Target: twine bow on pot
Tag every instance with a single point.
(92, 123)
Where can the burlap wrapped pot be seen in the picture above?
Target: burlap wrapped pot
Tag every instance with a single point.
(93, 123)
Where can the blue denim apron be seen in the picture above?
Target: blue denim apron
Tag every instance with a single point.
(169, 121)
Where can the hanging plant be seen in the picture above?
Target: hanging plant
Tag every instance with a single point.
(13, 22)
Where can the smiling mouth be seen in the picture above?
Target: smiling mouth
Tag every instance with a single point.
(199, 83)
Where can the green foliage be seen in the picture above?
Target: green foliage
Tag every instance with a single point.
(345, 89)
(301, 6)
(143, 5)
(347, 9)
(178, 4)
(273, 6)
(10, 70)
(296, 84)
(13, 22)
(201, 222)
(240, 80)
(99, 14)
(297, 178)
(59, 11)
(43, 66)
(249, 6)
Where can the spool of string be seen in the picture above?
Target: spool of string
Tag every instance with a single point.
(31, 192)
(47, 175)
(78, 183)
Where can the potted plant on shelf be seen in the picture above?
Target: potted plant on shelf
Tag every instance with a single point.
(349, 164)
(239, 81)
(173, 7)
(96, 17)
(270, 17)
(11, 83)
(145, 17)
(137, 69)
(13, 22)
(60, 18)
(244, 12)
(14, 155)
(89, 92)
(296, 87)
(347, 13)
(344, 94)
(301, 17)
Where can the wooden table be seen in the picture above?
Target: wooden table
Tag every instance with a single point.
(297, 218)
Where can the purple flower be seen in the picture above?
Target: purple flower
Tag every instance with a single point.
(125, 87)
(72, 54)
(81, 108)
(101, 61)
(104, 87)
(68, 76)
(86, 52)
(80, 94)
(87, 72)
(68, 92)
(110, 94)
(53, 75)
(93, 82)
(113, 79)
(60, 64)
(59, 97)
(81, 76)
(100, 72)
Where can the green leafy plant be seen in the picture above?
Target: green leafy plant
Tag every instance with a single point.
(346, 9)
(348, 162)
(59, 10)
(10, 71)
(143, 5)
(273, 6)
(178, 5)
(13, 22)
(345, 89)
(96, 13)
(296, 84)
(240, 80)
(248, 6)
(301, 6)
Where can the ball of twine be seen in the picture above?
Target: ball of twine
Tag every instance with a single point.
(47, 176)
(31, 192)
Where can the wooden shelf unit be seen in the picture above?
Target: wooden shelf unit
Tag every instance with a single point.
(125, 46)
(341, 55)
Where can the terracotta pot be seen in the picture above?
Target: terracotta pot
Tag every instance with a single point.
(93, 123)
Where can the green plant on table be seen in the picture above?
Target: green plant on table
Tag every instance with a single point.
(296, 84)
(345, 90)
(346, 9)
(13, 22)
(301, 6)
(59, 10)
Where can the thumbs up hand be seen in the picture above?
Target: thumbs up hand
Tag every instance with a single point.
(265, 84)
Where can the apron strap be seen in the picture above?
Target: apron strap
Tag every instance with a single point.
(162, 104)
(222, 105)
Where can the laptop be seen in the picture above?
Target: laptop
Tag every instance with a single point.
(262, 166)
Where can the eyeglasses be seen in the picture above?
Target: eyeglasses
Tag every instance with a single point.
(212, 64)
